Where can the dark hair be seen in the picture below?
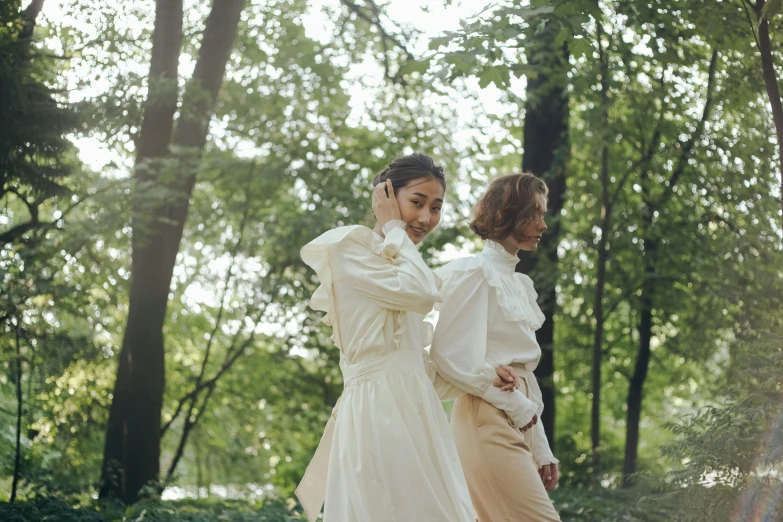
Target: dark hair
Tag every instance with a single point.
(409, 168)
(508, 205)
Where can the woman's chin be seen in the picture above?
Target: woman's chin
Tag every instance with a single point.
(416, 237)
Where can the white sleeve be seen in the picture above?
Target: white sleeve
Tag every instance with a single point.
(542, 454)
(392, 273)
(460, 345)
(443, 388)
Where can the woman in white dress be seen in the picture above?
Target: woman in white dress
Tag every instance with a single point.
(489, 315)
(387, 453)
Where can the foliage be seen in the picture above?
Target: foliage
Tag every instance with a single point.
(729, 454)
(48, 509)
(291, 155)
(579, 505)
(34, 149)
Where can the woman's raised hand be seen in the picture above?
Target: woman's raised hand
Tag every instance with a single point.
(384, 204)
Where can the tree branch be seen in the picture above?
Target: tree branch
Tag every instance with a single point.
(18, 231)
(688, 146)
(210, 387)
(30, 15)
(230, 359)
(386, 36)
(750, 23)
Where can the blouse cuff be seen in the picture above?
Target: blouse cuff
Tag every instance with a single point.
(519, 409)
(526, 416)
(542, 453)
(545, 461)
(390, 225)
(394, 232)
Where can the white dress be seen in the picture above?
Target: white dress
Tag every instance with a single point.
(387, 453)
(499, 304)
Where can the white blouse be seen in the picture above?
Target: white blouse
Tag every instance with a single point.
(488, 316)
(377, 276)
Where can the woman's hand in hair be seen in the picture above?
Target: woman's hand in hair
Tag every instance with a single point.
(384, 204)
(508, 379)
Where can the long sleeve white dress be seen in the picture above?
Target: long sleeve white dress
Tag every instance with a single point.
(387, 453)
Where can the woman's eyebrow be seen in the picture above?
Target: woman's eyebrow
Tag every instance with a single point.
(426, 197)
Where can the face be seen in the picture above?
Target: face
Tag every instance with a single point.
(420, 206)
(532, 231)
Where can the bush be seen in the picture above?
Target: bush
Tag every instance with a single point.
(46, 509)
(607, 505)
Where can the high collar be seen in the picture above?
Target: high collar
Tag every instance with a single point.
(495, 252)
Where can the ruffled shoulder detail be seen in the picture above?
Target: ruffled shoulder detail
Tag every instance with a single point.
(514, 292)
(315, 254)
(532, 297)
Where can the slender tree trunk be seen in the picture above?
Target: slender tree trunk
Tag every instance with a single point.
(598, 312)
(771, 84)
(636, 387)
(19, 410)
(650, 243)
(132, 449)
(603, 257)
(134, 431)
(199, 100)
(546, 152)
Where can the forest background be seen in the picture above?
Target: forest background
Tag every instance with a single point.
(162, 163)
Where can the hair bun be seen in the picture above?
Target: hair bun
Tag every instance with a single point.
(403, 170)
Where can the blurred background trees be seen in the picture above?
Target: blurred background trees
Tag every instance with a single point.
(163, 162)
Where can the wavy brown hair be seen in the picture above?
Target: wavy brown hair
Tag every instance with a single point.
(508, 205)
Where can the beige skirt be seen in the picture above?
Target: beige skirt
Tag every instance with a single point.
(502, 477)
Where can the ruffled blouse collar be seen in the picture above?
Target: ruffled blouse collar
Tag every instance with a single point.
(495, 252)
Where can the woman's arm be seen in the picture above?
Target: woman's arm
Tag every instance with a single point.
(460, 345)
(391, 272)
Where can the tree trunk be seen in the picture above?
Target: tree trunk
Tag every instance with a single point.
(636, 387)
(650, 243)
(603, 257)
(19, 411)
(135, 427)
(546, 152)
(30, 16)
(132, 450)
(771, 84)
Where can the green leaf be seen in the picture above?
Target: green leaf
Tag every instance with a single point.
(511, 32)
(462, 58)
(440, 41)
(527, 13)
(498, 75)
(580, 47)
(419, 66)
(563, 35)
